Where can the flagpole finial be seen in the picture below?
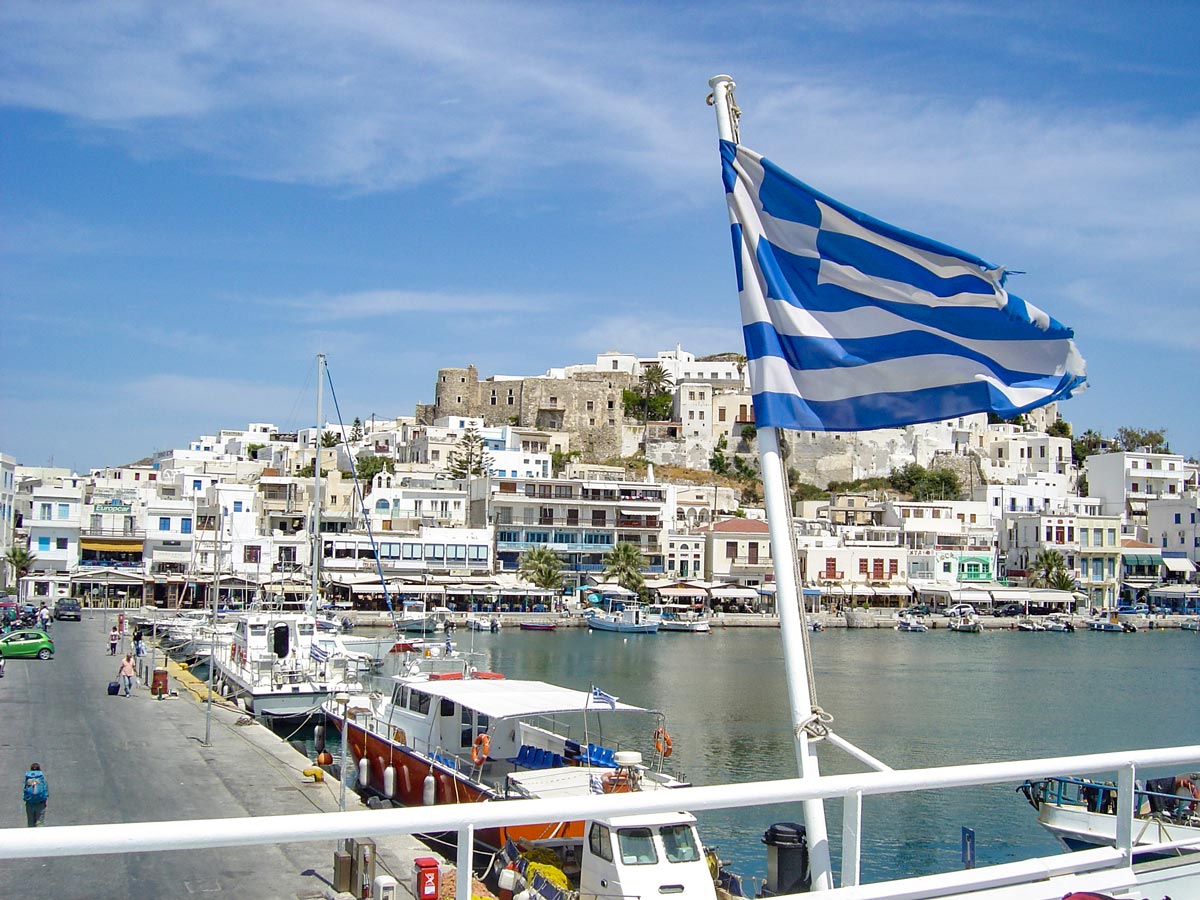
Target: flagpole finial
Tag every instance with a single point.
(722, 100)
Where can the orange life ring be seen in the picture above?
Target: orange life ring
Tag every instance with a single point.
(480, 749)
(662, 742)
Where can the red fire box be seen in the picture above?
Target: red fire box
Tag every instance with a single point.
(425, 878)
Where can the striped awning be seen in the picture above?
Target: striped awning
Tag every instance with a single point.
(112, 545)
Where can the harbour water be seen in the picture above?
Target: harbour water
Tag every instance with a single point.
(911, 700)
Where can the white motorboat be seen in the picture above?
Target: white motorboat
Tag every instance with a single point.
(1190, 624)
(1059, 622)
(965, 624)
(911, 624)
(678, 617)
(1028, 623)
(626, 617)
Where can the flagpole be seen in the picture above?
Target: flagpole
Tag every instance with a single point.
(783, 554)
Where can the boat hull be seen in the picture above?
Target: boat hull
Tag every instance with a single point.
(450, 786)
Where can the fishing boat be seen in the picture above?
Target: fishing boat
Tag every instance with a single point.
(448, 733)
(678, 617)
(1082, 813)
(1111, 623)
(626, 617)
(483, 623)
(415, 618)
(537, 626)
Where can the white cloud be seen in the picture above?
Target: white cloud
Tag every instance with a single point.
(390, 303)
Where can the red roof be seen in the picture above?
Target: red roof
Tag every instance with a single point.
(736, 525)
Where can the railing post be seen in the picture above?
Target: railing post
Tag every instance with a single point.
(1125, 801)
(466, 847)
(851, 838)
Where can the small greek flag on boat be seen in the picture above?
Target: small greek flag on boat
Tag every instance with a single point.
(596, 783)
(320, 654)
(853, 324)
(601, 697)
(508, 853)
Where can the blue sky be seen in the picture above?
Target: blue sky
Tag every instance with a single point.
(198, 198)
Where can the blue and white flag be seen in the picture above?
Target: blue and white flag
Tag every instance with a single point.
(853, 324)
(319, 654)
(596, 783)
(601, 697)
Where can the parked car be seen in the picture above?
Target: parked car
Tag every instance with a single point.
(68, 608)
(1009, 609)
(27, 642)
(917, 609)
(1139, 609)
(961, 609)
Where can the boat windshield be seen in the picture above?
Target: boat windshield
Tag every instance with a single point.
(637, 846)
(679, 843)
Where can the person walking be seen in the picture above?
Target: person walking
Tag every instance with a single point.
(114, 638)
(139, 649)
(44, 617)
(127, 672)
(36, 794)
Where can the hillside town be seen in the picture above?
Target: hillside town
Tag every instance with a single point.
(646, 461)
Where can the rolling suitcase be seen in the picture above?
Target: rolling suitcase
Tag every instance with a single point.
(114, 688)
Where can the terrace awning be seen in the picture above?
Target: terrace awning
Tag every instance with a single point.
(1180, 564)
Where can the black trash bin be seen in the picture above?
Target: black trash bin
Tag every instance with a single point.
(787, 860)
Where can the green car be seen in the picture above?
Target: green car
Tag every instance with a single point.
(27, 642)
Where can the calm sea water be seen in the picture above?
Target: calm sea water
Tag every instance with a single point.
(909, 699)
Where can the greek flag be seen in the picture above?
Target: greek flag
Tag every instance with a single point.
(318, 653)
(596, 783)
(853, 324)
(541, 888)
(601, 697)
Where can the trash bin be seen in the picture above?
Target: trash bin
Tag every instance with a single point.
(425, 878)
(787, 859)
(158, 686)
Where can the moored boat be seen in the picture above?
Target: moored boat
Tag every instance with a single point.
(536, 626)
(966, 624)
(911, 624)
(627, 617)
(678, 617)
(448, 733)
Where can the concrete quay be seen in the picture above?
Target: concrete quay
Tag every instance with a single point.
(122, 760)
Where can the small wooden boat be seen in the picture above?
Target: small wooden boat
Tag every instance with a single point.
(537, 626)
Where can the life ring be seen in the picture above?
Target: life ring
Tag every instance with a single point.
(662, 742)
(480, 749)
(1188, 785)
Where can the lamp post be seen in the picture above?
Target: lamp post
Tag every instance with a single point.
(342, 699)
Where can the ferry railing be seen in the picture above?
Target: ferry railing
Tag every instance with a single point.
(1105, 869)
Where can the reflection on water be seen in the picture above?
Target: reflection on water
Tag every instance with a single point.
(910, 699)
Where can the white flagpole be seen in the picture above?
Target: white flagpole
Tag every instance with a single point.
(783, 555)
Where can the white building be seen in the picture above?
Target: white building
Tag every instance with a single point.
(1174, 527)
(1127, 480)
(8, 513)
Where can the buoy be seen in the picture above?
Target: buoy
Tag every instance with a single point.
(364, 772)
(389, 782)
(324, 758)
(429, 790)
(318, 775)
(407, 779)
(319, 738)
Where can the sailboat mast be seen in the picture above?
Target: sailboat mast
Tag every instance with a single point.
(316, 519)
(783, 555)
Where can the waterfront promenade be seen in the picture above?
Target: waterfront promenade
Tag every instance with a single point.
(118, 760)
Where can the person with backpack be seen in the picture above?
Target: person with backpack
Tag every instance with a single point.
(36, 795)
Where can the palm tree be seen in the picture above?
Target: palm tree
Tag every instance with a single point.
(654, 381)
(624, 566)
(1061, 580)
(21, 561)
(329, 439)
(1045, 565)
(542, 567)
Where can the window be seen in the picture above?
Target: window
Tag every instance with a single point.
(164, 523)
(830, 567)
(435, 551)
(43, 543)
(1178, 518)
(862, 567)
(45, 511)
(637, 846)
(599, 839)
(237, 506)
(731, 549)
(185, 525)
(64, 511)
(252, 554)
(477, 553)
(197, 485)
(60, 543)
(1083, 537)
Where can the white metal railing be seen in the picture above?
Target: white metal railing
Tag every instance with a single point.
(82, 840)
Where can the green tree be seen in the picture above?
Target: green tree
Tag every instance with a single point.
(719, 462)
(1155, 440)
(1059, 428)
(652, 398)
(368, 467)
(356, 429)
(560, 459)
(329, 439)
(252, 450)
(21, 561)
(1045, 564)
(306, 471)
(1085, 445)
(938, 484)
(749, 432)
(469, 456)
(624, 566)
(542, 567)
(906, 478)
(1061, 580)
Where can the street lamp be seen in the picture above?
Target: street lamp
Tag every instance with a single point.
(342, 699)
